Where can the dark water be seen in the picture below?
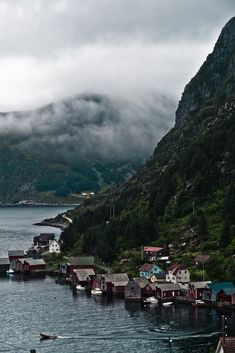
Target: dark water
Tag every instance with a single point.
(93, 324)
(16, 226)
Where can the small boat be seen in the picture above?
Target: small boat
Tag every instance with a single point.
(167, 303)
(96, 291)
(79, 287)
(199, 303)
(151, 300)
(47, 336)
(10, 272)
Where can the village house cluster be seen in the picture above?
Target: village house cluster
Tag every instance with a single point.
(171, 285)
(30, 261)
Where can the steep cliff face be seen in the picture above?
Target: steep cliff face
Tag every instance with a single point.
(214, 83)
(194, 164)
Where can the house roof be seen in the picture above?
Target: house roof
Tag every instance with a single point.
(172, 267)
(4, 261)
(82, 261)
(152, 248)
(116, 278)
(141, 281)
(82, 274)
(146, 267)
(33, 262)
(179, 268)
(44, 237)
(120, 284)
(167, 286)
(229, 291)
(216, 287)
(19, 253)
(202, 258)
(199, 285)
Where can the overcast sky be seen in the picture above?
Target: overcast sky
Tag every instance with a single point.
(51, 49)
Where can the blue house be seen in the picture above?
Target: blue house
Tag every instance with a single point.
(212, 290)
(149, 270)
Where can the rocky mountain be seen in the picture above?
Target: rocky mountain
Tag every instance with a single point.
(82, 143)
(185, 194)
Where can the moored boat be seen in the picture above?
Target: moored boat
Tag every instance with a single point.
(199, 303)
(79, 287)
(167, 303)
(10, 272)
(151, 300)
(96, 291)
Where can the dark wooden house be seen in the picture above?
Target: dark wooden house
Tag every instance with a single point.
(84, 277)
(43, 240)
(114, 283)
(137, 288)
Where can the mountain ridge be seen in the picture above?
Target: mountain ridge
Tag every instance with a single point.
(185, 193)
(82, 143)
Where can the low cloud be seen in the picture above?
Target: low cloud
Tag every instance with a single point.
(90, 126)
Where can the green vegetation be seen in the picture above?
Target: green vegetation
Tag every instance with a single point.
(184, 197)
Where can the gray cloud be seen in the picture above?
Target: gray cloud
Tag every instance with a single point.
(90, 126)
(133, 51)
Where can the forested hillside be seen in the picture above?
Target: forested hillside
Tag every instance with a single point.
(185, 194)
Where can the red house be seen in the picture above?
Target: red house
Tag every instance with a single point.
(166, 290)
(80, 262)
(227, 296)
(196, 290)
(28, 265)
(14, 255)
(154, 253)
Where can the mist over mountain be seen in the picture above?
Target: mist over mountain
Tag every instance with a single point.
(77, 144)
(185, 194)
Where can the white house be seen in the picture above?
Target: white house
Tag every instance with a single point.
(177, 274)
(54, 247)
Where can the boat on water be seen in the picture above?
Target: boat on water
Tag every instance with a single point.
(79, 287)
(167, 303)
(151, 300)
(96, 291)
(199, 303)
(47, 336)
(10, 272)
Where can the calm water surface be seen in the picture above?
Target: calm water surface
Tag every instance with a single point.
(85, 323)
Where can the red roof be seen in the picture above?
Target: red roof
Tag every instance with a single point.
(146, 267)
(172, 267)
(175, 268)
(152, 249)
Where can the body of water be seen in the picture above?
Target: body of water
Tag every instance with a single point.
(90, 324)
